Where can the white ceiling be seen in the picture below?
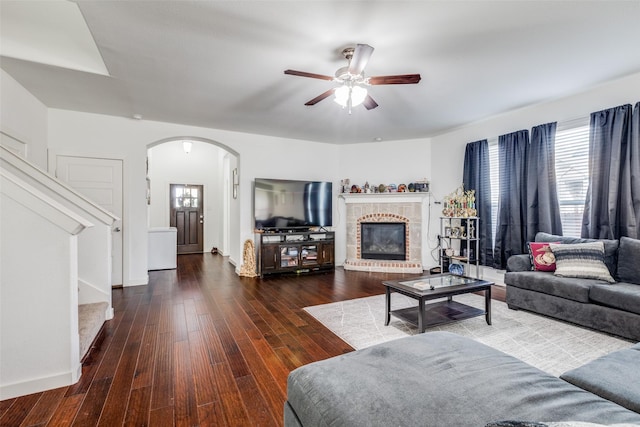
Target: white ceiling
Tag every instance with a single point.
(220, 64)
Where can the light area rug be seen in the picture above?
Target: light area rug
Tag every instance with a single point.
(550, 345)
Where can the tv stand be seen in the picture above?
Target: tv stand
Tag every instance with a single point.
(272, 230)
(296, 252)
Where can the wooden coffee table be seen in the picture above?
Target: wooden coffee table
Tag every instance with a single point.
(437, 286)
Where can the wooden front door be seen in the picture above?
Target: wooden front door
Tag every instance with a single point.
(187, 216)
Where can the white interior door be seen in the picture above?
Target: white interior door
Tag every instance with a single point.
(101, 181)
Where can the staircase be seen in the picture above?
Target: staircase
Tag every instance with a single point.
(58, 299)
(91, 317)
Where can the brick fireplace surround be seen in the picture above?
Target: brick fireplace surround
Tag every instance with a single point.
(394, 207)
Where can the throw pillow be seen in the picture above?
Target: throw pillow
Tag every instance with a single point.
(628, 257)
(581, 260)
(542, 259)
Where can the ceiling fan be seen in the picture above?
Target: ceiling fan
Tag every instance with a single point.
(352, 91)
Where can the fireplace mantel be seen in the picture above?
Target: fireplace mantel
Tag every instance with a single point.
(386, 207)
(383, 197)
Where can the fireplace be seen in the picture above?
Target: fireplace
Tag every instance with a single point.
(407, 210)
(383, 240)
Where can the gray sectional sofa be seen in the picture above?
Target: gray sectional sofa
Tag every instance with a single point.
(443, 379)
(609, 307)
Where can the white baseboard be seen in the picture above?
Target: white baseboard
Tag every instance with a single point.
(137, 281)
(36, 385)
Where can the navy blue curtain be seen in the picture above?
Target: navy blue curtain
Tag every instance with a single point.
(476, 176)
(543, 210)
(609, 209)
(511, 230)
(633, 170)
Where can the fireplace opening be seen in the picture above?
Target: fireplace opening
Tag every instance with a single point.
(383, 240)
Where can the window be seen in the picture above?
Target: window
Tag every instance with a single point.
(572, 175)
(186, 197)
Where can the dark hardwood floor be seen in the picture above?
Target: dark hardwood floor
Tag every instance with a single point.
(199, 346)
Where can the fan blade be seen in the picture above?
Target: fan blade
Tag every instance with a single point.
(360, 58)
(369, 103)
(320, 97)
(403, 79)
(305, 74)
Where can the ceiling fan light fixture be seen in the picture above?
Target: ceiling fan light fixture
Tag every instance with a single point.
(341, 96)
(358, 94)
(344, 93)
(352, 91)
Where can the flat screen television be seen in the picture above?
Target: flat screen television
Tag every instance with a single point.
(283, 204)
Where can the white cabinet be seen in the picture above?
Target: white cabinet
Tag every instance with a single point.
(162, 248)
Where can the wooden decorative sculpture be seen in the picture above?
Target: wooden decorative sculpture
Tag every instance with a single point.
(248, 268)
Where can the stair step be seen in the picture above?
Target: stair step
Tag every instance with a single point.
(91, 317)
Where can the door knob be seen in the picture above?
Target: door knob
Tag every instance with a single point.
(117, 229)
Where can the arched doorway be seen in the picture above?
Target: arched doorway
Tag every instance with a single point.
(204, 176)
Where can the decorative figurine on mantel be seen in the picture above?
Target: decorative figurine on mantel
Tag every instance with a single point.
(345, 185)
(460, 203)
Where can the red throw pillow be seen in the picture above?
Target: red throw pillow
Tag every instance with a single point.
(541, 256)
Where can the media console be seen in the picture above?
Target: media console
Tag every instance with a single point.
(296, 252)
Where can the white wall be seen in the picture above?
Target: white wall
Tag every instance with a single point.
(389, 162)
(94, 265)
(24, 118)
(169, 164)
(234, 215)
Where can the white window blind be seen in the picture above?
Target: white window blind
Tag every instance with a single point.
(572, 173)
